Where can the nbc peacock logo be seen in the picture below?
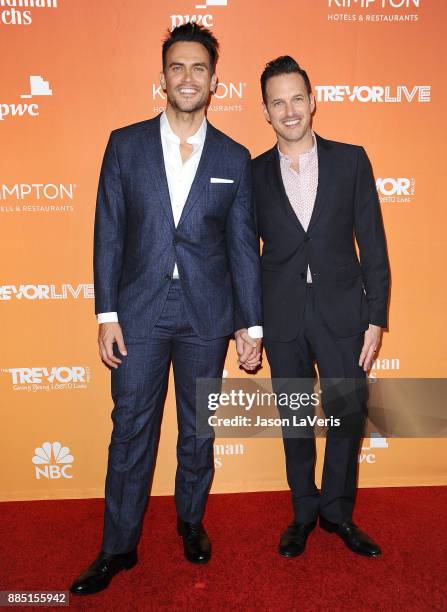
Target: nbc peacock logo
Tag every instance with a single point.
(52, 461)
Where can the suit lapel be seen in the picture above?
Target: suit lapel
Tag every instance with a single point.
(202, 177)
(324, 180)
(156, 165)
(276, 182)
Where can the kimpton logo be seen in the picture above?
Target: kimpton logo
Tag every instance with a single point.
(373, 93)
(37, 197)
(229, 90)
(33, 292)
(17, 12)
(205, 19)
(366, 4)
(52, 461)
(227, 97)
(38, 87)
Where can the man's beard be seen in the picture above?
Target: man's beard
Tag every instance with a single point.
(189, 107)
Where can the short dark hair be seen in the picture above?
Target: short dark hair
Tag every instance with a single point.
(282, 65)
(192, 32)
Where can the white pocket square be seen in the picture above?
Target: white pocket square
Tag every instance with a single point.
(220, 180)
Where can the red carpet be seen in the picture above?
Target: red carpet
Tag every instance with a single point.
(44, 545)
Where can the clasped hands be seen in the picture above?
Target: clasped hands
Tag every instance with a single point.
(249, 350)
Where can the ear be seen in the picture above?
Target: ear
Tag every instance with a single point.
(312, 102)
(213, 83)
(266, 113)
(162, 81)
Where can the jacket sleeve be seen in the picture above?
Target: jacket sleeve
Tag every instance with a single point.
(110, 226)
(243, 254)
(370, 236)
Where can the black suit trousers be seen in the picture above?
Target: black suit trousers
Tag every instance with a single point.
(337, 361)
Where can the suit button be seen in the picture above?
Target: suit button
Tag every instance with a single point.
(307, 238)
(175, 241)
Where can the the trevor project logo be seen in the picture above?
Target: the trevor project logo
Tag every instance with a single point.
(38, 87)
(56, 378)
(396, 190)
(52, 461)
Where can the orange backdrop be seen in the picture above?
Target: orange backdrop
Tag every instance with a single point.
(72, 70)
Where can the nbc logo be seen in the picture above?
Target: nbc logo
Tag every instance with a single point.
(52, 461)
(38, 87)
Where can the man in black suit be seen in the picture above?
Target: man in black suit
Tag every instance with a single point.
(321, 304)
(175, 259)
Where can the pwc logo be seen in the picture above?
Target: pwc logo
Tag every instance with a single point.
(367, 453)
(52, 461)
(205, 19)
(38, 87)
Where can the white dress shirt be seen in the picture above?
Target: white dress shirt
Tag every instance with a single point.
(180, 176)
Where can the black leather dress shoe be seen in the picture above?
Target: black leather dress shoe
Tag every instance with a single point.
(98, 575)
(354, 538)
(196, 543)
(293, 540)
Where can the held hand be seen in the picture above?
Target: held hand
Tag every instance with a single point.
(371, 344)
(248, 349)
(255, 358)
(109, 333)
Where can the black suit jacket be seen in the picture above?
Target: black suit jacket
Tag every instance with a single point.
(350, 293)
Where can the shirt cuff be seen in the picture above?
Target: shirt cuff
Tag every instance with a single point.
(107, 317)
(255, 332)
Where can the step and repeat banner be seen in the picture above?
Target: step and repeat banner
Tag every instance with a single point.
(73, 70)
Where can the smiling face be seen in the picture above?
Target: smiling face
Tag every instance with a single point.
(187, 76)
(289, 107)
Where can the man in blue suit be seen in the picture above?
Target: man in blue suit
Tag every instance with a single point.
(176, 263)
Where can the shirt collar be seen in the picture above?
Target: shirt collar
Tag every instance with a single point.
(196, 139)
(309, 153)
